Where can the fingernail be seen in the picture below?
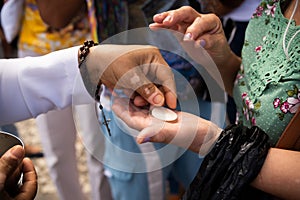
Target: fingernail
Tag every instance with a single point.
(156, 15)
(17, 151)
(187, 37)
(152, 24)
(139, 140)
(143, 140)
(158, 99)
(202, 43)
(167, 19)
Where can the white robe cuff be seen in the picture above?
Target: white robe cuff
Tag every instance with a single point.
(34, 85)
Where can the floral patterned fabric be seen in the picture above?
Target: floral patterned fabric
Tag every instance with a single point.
(37, 37)
(267, 88)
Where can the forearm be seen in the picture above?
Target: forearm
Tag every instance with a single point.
(228, 70)
(34, 85)
(280, 174)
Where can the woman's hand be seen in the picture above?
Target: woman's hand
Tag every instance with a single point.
(201, 30)
(12, 165)
(137, 68)
(205, 29)
(188, 131)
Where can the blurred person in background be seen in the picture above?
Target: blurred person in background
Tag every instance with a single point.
(57, 130)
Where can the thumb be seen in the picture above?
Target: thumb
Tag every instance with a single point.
(151, 94)
(155, 96)
(136, 79)
(9, 162)
(152, 132)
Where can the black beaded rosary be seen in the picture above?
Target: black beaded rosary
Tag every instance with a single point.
(84, 50)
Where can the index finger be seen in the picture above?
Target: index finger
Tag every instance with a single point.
(169, 19)
(29, 187)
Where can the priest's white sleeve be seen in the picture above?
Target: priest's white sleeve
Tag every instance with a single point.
(33, 85)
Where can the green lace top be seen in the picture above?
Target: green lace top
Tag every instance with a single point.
(267, 88)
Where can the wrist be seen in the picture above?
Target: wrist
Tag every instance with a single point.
(99, 59)
(86, 63)
(84, 51)
(90, 78)
(213, 133)
(229, 71)
(233, 163)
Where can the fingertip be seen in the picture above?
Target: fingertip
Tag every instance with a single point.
(167, 19)
(11, 159)
(158, 99)
(159, 17)
(152, 25)
(156, 16)
(171, 100)
(155, 26)
(200, 43)
(28, 164)
(172, 105)
(188, 36)
(139, 101)
(154, 96)
(18, 151)
(141, 140)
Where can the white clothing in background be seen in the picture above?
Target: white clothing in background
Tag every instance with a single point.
(244, 11)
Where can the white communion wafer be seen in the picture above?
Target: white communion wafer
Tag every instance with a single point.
(163, 113)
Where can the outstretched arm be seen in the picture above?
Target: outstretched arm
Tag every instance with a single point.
(280, 168)
(34, 85)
